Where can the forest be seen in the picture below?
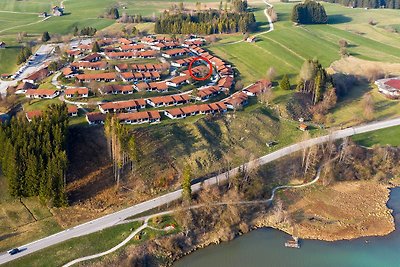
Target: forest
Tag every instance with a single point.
(33, 155)
(309, 12)
(209, 22)
(393, 4)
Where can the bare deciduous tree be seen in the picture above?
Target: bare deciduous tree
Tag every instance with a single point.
(368, 107)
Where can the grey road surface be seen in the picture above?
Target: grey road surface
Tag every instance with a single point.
(113, 218)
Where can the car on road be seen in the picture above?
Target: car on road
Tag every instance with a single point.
(14, 251)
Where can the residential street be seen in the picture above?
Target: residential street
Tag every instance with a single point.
(114, 218)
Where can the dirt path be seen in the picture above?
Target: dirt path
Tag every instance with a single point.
(16, 12)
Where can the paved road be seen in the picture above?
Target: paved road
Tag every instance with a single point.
(114, 218)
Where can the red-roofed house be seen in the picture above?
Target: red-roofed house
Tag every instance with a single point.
(72, 111)
(205, 93)
(30, 115)
(37, 76)
(116, 89)
(172, 100)
(95, 118)
(226, 83)
(178, 81)
(99, 77)
(175, 52)
(389, 87)
(41, 93)
(139, 117)
(122, 106)
(82, 92)
(92, 57)
(237, 100)
(257, 88)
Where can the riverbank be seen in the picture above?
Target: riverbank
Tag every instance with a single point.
(343, 211)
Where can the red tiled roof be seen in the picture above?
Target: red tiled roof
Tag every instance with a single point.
(33, 114)
(130, 47)
(394, 83)
(91, 57)
(139, 115)
(96, 116)
(93, 76)
(226, 82)
(180, 79)
(79, 91)
(40, 92)
(123, 104)
(72, 109)
(160, 86)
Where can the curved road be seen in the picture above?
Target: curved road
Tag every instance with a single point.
(145, 225)
(114, 218)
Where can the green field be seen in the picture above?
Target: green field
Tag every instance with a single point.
(285, 48)
(288, 46)
(388, 136)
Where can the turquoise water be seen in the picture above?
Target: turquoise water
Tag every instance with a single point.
(265, 247)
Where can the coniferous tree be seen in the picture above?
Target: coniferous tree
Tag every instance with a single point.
(45, 37)
(284, 84)
(95, 47)
(309, 12)
(33, 156)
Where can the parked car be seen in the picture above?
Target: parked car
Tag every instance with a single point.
(14, 251)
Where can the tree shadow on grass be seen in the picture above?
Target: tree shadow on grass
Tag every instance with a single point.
(338, 19)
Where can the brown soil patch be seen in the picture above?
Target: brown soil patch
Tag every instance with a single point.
(345, 210)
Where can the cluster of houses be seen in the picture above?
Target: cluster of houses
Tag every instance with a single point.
(389, 87)
(125, 78)
(152, 116)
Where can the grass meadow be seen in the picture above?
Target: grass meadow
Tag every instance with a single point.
(288, 46)
(388, 136)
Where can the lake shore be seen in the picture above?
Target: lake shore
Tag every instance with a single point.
(343, 211)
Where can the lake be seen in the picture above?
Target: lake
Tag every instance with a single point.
(265, 247)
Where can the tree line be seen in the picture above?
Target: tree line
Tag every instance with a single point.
(208, 22)
(309, 12)
(33, 155)
(85, 31)
(24, 54)
(393, 4)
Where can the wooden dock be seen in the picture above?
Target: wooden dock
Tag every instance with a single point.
(293, 243)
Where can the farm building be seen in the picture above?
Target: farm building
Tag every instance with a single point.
(389, 87)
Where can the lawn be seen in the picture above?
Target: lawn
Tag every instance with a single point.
(388, 136)
(87, 245)
(21, 223)
(64, 252)
(349, 111)
(39, 104)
